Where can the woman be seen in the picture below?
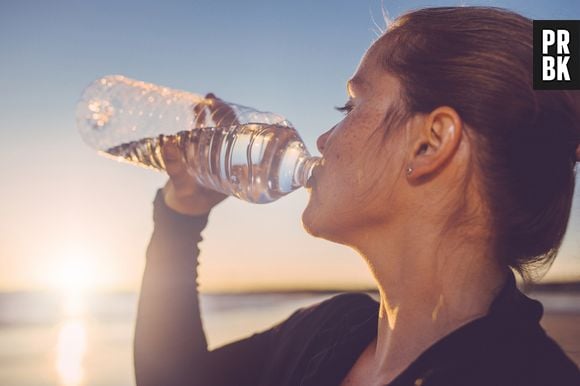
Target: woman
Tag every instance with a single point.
(447, 171)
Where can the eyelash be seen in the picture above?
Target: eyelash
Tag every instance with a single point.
(347, 108)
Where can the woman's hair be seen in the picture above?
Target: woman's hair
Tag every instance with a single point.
(478, 60)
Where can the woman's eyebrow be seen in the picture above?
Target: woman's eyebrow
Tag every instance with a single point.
(353, 83)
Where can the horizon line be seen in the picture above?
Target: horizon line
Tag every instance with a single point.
(560, 285)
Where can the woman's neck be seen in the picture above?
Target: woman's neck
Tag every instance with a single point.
(428, 288)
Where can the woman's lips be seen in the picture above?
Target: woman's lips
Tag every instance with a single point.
(312, 180)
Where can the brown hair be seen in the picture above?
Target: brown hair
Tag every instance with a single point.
(478, 60)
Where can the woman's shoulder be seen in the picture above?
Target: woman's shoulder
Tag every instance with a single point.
(527, 356)
(301, 342)
(481, 355)
(543, 361)
(538, 360)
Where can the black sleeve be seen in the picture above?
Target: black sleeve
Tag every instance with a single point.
(170, 347)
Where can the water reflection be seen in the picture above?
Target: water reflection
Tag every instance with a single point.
(71, 343)
(70, 352)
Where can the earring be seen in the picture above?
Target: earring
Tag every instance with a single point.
(409, 171)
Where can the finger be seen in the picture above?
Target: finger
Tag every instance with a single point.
(222, 113)
(199, 114)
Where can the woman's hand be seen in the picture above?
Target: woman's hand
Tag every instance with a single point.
(182, 193)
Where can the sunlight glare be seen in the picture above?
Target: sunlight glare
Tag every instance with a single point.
(74, 275)
(70, 352)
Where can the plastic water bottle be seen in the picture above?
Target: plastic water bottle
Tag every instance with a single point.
(256, 156)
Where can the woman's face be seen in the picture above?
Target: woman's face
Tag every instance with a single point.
(355, 188)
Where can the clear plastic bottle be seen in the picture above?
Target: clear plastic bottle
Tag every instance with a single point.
(256, 156)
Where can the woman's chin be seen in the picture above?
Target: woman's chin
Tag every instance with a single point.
(317, 224)
(311, 219)
(308, 221)
(320, 220)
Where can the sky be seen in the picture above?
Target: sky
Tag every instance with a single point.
(70, 217)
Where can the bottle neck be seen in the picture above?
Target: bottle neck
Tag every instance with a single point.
(304, 170)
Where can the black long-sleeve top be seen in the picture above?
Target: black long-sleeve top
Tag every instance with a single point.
(317, 345)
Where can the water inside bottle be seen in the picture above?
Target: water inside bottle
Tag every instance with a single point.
(257, 162)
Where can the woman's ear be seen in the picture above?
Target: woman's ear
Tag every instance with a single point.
(439, 135)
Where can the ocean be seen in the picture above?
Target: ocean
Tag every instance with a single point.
(46, 339)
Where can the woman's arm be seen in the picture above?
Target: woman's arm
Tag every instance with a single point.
(170, 344)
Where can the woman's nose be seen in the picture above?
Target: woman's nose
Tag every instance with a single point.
(321, 141)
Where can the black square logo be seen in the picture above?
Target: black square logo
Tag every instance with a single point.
(557, 54)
